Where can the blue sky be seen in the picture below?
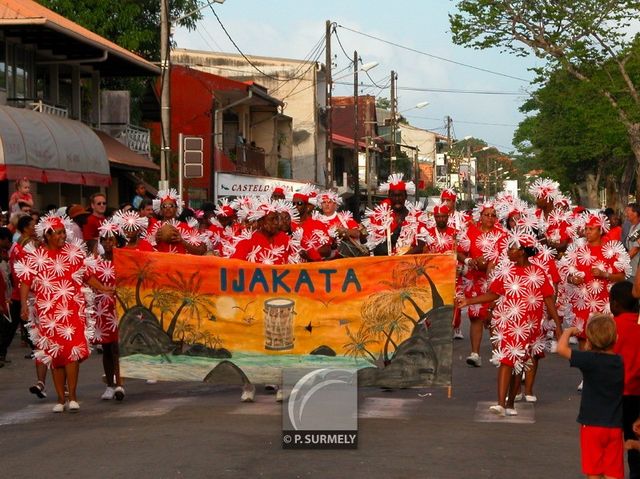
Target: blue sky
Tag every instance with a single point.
(290, 29)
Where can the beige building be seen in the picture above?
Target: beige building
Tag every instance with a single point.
(299, 84)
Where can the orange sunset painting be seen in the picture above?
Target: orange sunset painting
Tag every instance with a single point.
(192, 317)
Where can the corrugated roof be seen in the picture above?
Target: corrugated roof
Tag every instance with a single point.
(29, 13)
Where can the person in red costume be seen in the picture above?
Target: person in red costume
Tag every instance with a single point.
(168, 234)
(393, 225)
(267, 244)
(315, 241)
(520, 290)
(480, 251)
(60, 328)
(590, 267)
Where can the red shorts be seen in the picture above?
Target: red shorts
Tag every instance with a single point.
(602, 451)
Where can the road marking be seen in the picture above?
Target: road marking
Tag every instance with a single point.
(158, 407)
(388, 408)
(28, 414)
(526, 414)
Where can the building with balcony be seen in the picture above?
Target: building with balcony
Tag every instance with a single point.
(242, 128)
(53, 127)
(300, 86)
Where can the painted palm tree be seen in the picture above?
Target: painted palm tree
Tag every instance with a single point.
(408, 272)
(124, 296)
(185, 331)
(358, 344)
(384, 317)
(139, 275)
(164, 300)
(193, 301)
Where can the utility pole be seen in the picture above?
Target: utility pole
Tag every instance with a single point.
(367, 174)
(417, 171)
(165, 96)
(328, 108)
(448, 155)
(392, 153)
(356, 166)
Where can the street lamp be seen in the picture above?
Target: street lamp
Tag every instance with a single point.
(356, 163)
(165, 86)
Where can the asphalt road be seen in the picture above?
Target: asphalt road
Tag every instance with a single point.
(196, 430)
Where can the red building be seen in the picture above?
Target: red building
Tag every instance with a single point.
(241, 126)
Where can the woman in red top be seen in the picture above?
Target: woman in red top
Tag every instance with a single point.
(55, 273)
(520, 290)
(480, 251)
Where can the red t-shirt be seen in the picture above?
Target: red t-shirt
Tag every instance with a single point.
(90, 229)
(628, 346)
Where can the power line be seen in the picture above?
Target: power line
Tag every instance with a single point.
(245, 57)
(433, 56)
(335, 32)
(448, 90)
(465, 122)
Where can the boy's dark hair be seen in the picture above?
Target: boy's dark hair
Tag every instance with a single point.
(144, 203)
(621, 297)
(23, 222)
(601, 332)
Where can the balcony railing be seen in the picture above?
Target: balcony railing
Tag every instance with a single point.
(42, 107)
(134, 137)
(250, 160)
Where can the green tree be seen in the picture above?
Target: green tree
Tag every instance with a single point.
(574, 136)
(581, 37)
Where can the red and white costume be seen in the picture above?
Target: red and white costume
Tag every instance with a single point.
(478, 244)
(518, 313)
(592, 296)
(61, 328)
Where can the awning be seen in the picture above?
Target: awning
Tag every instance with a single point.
(348, 142)
(49, 149)
(121, 156)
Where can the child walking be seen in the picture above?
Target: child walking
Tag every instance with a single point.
(600, 416)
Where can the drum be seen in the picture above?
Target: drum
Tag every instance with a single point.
(278, 324)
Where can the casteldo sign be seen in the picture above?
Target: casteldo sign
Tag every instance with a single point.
(228, 184)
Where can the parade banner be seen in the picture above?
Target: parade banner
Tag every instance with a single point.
(225, 321)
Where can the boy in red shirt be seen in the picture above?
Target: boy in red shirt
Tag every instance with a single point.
(625, 309)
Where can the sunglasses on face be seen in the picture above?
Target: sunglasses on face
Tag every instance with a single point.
(101, 203)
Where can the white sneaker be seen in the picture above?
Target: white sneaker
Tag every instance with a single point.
(530, 399)
(74, 406)
(248, 393)
(510, 412)
(457, 334)
(497, 410)
(519, 397)
(108, 393)
(580, 386)
(58, 408)
(474, 360)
